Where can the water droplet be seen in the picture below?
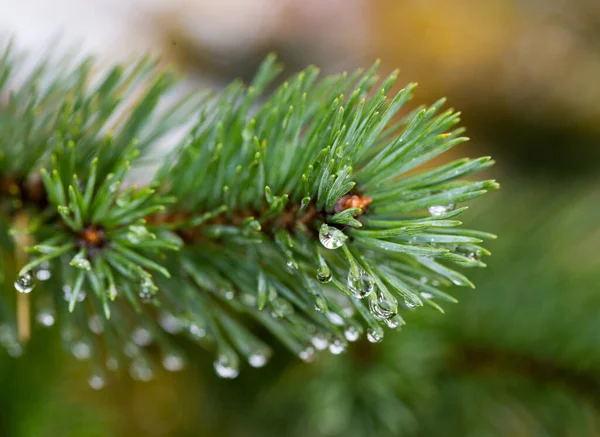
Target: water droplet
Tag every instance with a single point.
(229, 294)
(141, 336)
(307, 355)
(331, 238)
(292, 264)
(25, 283)
(140, 370)
(360, 286)
(138, 234)
(411, 303)
(173, 362)
(351, 333)
(335, 318)
(438, 210)
(170, 323)
(257, 359)
(197, 331)
(112, 364)
(95, 324)
(320, 341)
(45, 318)
(382, 309)
(81, 350)
(225, 368)
(324, 275)
(394, 322)
(96, 382)
(68, 292)
(374, 336)
(337, 347)
(14, 350)
(131, 350)
(43, 274)
(427, 295)
(81, 262)
(146, 294)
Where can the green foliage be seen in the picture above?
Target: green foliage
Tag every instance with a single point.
(300, 209)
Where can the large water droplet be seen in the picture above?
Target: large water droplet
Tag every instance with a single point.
(351, 333)
(258, 359)
(324, 275)
(382, 309)
(373, 335)
(225, 368)
(438, 210)
(360, 286)
(96, 381)
(45, 318)
(337, 346)
(173, 362)
(25, 283)
(331, 238)
(320, 341)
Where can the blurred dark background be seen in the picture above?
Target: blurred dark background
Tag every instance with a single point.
(518, 356)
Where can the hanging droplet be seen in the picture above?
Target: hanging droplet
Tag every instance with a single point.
(81, 350)
(324, 275)
(411, 303)
(25, 283)
(140, 370)
(360, 286)
(173, 362)
(225, 368)
(81, 262)
(320, 342)
(382, 309)
(394, 322)
(337, 347)
(331, 238)
(170, 323)
(257, 359)
(292, 264)
(307, 354)
(45, 318)
(96, 381)
(351, 333)
(374, 336)
(141, 336)
(438, 210)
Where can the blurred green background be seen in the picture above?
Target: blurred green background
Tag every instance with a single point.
(518, 356)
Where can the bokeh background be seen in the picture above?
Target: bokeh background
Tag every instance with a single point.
(518, 356)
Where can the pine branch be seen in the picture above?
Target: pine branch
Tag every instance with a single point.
(298, 208)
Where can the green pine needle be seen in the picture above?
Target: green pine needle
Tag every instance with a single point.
(300, 208)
